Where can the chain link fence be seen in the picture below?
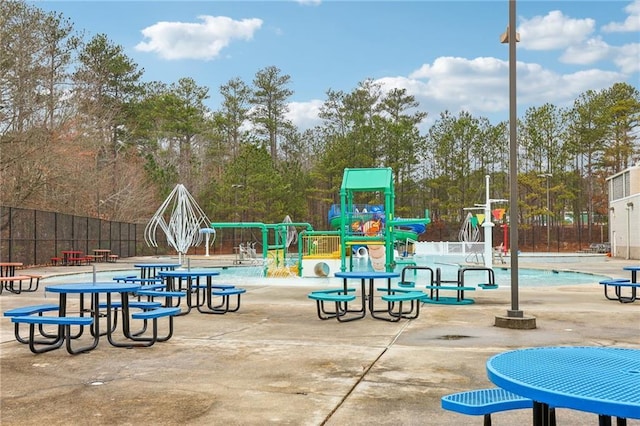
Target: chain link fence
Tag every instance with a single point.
(33, 237)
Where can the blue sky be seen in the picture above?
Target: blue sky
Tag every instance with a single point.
(445, 53)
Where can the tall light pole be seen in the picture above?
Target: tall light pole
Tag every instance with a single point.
(511, 38)
(515, 317)
(547, 176)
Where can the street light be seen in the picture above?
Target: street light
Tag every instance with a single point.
(511, 37)
(547, 176)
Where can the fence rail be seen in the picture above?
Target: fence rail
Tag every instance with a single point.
(33, 237)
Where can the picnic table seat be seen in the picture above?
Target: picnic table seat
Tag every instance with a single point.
(139, 340)
(488, 284)
(618, 284)
(225, 293)
(172, 299)
(201, 289)
(79, 261)
(339, 299)
(64, 323)
(14, 284)
(133, 304)
(30, 310)
(441, 285)
(396, 297)
(484, 402)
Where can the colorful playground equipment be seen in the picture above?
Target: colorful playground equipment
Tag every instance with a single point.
(369, 220)
(357, 229)
(379, 229)
(469, 231)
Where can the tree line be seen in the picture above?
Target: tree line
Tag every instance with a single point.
(81, 132)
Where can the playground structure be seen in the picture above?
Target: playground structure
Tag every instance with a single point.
(469, 231)
(381, 229)
(273, 256)
(355, 227)
(369, 219)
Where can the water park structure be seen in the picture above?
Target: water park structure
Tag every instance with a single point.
(377, 229)
(274, 255)
(358, 229)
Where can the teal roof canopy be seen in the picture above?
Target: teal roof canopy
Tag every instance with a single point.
(380, 179)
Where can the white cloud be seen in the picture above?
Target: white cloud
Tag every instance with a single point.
(309, 2)
(627, 58)
(205, 40)
(592, 50)
(304, 115)
(632, 23)
(553, 31)
(480, 85)
(540, 86)
(459, 83)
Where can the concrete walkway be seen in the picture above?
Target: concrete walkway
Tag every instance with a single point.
(275, 362)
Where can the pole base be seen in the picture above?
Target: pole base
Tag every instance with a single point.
(515, 322)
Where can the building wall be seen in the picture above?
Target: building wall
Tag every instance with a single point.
(624, 214)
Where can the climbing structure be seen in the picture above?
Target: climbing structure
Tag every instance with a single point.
(377, 227)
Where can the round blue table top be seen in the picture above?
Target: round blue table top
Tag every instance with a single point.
(185, 273)
(91, 287)
(366, 274)
(157, 265)
(602, 380)
(631, 268)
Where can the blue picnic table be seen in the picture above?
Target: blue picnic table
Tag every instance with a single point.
(600, 380)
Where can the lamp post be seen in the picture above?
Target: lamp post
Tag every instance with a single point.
(510, 37)
(547, 176)
(515, 317)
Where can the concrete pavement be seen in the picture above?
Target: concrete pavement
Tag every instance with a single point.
(275, 362)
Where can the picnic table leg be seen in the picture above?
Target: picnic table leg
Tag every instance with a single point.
(342, 307)
(606, 293)
(604, 420)
(625, 299)
(363, 291)
(133, 341)
(49, 346)
(371, 298)
(208, 298)
(96, 337)
(542, 415)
